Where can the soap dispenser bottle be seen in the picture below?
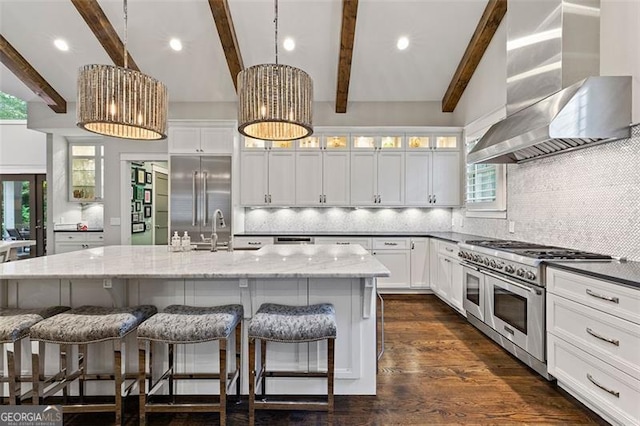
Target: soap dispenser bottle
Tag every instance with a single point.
(186, 242)
(176, 242)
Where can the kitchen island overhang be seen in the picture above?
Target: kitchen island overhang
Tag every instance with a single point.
(298, 275)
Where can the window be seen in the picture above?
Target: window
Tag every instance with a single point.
(485, 183)
(12, 108)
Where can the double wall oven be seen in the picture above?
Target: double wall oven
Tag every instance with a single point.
(504, 293)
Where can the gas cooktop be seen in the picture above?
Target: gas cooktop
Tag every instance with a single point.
(538, 251)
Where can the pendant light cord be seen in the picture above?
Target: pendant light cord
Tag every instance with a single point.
(275, 20)
(126, 56)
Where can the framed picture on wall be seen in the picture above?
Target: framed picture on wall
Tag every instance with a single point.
(147, 196)
(147, 211)
(138, 193)
(134, 172)
(141, 176)
(133, 191)
(138, 206)
(148, 177)
(137, 227)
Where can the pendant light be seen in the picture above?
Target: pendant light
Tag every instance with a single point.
(275, 102)
(121, 102)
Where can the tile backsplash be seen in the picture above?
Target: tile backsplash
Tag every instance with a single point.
(588, 199)
(306, 220)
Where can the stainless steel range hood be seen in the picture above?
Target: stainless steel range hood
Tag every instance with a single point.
(553, 102)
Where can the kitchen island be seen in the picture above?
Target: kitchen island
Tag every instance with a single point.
(288, 274)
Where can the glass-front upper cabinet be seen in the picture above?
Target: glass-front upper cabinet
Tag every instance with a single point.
(362, 142)
(337, 142)
(250, 143)
(433, 141)
(86, 171)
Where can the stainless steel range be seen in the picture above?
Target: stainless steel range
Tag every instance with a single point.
(504, 293)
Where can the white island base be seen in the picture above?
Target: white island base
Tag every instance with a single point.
(295, 275)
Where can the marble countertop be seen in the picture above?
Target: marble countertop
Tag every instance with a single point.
(283, 261)
(16, 243)
(625, 273)
(448, 236)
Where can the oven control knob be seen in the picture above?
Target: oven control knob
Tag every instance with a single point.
(493, 264)
(476, 257)
(520, 272)
(486, 261)
(530, 275)
(509, 269)
(499, 265)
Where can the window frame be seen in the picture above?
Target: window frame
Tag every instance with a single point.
(497, 208)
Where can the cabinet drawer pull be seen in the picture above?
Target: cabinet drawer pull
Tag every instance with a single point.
(449, 249)
(604, 388)
(600, 296)
(343, 243)
(254, 243)
(390, 244)
(447, 260)
(606, 339)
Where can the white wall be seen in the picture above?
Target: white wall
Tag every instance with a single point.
(620, 44)
(22, 151)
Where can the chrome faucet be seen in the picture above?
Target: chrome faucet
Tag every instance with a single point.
(218, 220)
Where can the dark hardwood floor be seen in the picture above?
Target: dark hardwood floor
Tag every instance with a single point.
(437, 369)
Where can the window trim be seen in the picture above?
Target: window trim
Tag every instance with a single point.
(498, 208)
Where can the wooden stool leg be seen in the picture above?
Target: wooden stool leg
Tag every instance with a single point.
(117, 369)
(252, 381)
(330, 378)
(238, 357)
(172, 372)
(223, 381)
(142, 345)
(12, 373)
(82, 359)
(150, 348)
(36, 370)
(263, 368)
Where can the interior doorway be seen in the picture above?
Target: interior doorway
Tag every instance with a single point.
(23, 210)
(149, 203)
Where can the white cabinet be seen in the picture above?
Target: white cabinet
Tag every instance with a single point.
(433, 264)
(419, 263)
(593, 343)
(200, 140)
(322, 171)
(345, 241)
(73, 241)
(377, 178)
(394, 253)
(86, 171)
(432, 178)
(267, 177)
(448, 280)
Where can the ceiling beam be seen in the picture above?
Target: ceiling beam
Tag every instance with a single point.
(95, 18)
(22, 69)
(487, 26)
(226, 31)
(347, 37)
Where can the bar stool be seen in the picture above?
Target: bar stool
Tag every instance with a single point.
(290, 324)
(79, 327)
(15, 324)
(180, 324)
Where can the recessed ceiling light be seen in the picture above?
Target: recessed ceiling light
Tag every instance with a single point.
(175, 44)
(289, 44)
(61, 44)
(403, 43)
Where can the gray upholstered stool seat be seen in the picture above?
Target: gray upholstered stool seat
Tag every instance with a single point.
(15, 325)
(290, 324)
(181, 324)
(191, 324)
(91, 324)
(281, 323)
(80, 327)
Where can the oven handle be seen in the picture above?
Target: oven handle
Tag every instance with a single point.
(498, 277)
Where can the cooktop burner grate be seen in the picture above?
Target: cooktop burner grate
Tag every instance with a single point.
(538, 251)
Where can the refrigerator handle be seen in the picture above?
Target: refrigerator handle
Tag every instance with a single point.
(205, 203)
(194, 203)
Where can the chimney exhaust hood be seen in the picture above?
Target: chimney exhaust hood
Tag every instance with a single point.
(553, 102)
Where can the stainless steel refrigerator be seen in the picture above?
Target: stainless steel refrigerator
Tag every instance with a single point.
(199, 186)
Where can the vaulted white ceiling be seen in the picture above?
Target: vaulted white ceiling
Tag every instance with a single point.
(439, 31)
